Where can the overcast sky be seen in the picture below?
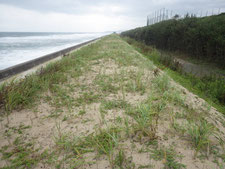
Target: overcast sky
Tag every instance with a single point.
(90, 15)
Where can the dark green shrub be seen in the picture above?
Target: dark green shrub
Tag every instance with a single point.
(202, 38)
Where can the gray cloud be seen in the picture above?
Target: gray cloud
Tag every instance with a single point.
(131, 7)
(132, 11)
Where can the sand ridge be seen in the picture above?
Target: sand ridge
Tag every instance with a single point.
(116, 114)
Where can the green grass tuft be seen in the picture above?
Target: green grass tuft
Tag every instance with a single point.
(200, 133)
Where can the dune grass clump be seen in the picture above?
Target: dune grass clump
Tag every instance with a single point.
(103, 142)
(168, 155)
(199, 134)
(146, 121)
(162, 83)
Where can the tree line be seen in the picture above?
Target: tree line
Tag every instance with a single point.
(201, 38)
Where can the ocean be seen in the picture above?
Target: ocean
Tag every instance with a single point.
(19, 47)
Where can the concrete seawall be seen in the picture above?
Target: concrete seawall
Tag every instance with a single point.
(14, 70)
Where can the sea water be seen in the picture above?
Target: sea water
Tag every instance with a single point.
(19, 47)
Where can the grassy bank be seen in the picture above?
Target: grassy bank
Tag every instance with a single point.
(200, 38)
(107, 106)
(211, 89)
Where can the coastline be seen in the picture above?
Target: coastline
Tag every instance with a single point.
(21, 70)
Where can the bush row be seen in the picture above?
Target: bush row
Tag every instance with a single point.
(202, 38)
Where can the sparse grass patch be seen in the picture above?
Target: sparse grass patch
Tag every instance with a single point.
(121, 76)
(106, 84)
(199, 133)
(127, 126)
(192, 115)
(178, 127)
(15, 130)
(146, 166)
(55, 113)
(119, 119)
(87, 98)
(146, 121)
(60, 97)
(115, 104)
(162, 83)
(20, 155)
(174, 96)
(136, 84)
(82, 112)
(157, 102)
(219, 156)
(74, 148)
(168, 155)
(103, 142)
(122, 161)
